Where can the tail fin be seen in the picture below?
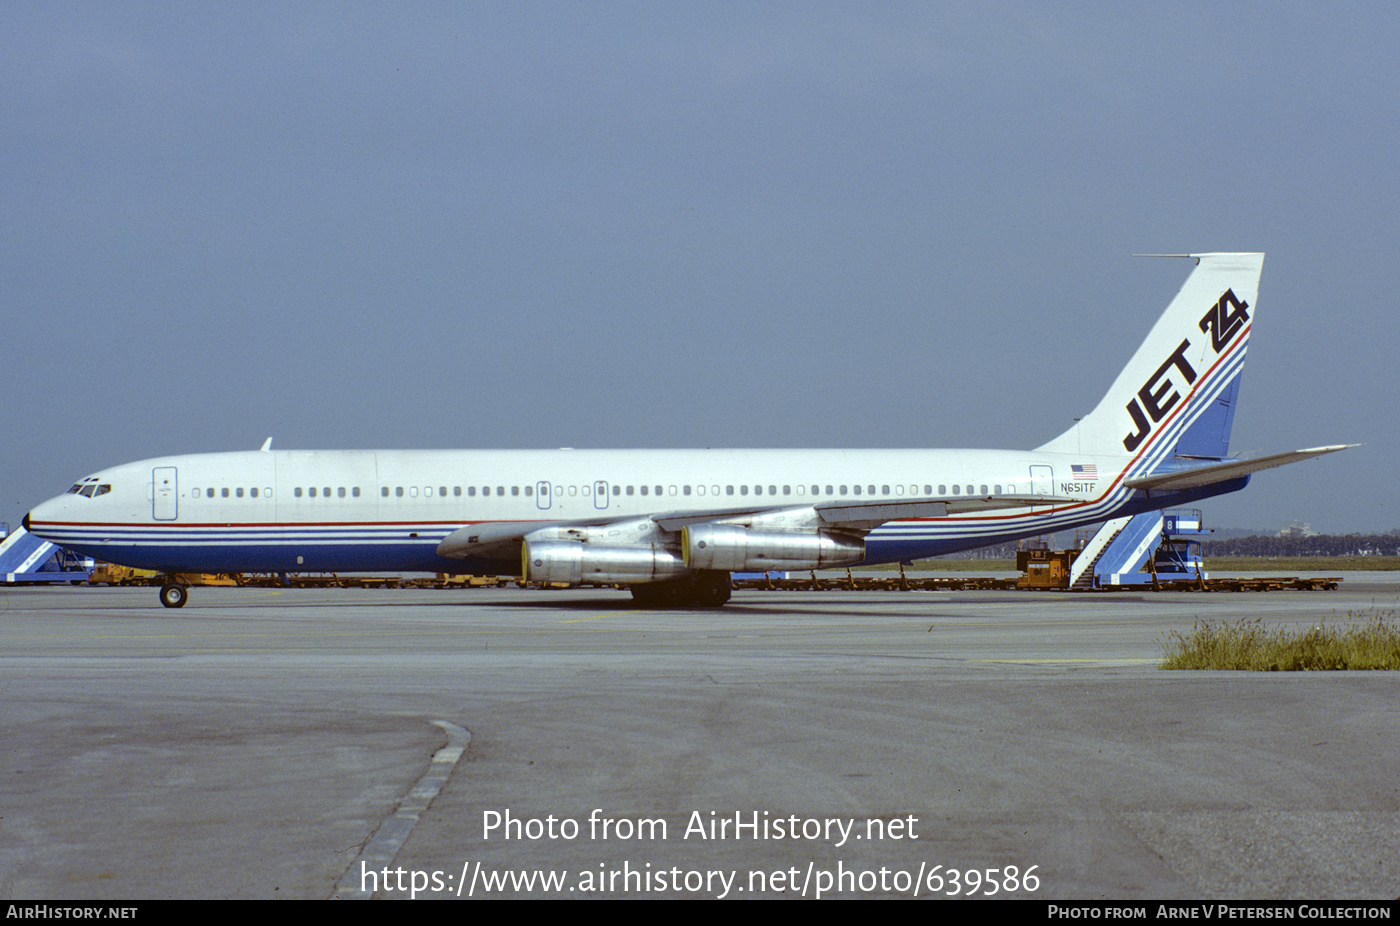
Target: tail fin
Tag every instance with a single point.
(1177, 395)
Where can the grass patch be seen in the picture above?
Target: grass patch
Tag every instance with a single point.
(1301, 565)
(1251, 647)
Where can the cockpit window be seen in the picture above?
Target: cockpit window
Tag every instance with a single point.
(87, 491)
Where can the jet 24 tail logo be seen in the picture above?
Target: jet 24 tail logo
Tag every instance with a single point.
(1158, 395)
(1222, 325)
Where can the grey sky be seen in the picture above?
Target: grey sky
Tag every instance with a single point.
(654, 224)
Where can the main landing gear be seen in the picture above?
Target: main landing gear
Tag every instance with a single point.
(174, 595)
(708, 589)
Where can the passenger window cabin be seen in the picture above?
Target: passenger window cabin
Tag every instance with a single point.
(560, 491)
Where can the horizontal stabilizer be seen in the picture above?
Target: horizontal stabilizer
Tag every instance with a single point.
(1223, 472)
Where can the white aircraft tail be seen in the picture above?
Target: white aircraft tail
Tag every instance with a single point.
(1176, 397)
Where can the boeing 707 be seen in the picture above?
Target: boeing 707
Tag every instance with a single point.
(673, 525)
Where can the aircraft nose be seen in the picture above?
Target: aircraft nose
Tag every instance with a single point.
(41, 512)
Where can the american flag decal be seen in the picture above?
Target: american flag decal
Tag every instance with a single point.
(1085, 471)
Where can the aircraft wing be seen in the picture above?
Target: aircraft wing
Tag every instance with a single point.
(492, 540)
(1220, 472)
(868, 515)
(501, 540)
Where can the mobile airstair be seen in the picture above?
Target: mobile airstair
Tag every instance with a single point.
(25, 558)
(1162, 541)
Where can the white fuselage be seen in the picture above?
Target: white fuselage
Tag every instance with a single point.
(387, 510)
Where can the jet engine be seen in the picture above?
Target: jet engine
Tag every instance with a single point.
(734, 548)
(575, 562)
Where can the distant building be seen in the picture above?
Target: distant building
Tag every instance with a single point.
(1297, 529)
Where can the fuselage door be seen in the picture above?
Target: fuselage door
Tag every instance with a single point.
(543, 494)
(600, 495)
(1042, 480)
(165, 495)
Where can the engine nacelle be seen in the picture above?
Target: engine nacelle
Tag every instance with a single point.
(606, 564)
(733, 548)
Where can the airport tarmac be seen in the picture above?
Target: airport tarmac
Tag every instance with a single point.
(264, 743)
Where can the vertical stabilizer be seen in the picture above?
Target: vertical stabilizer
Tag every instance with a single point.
(1181, 385)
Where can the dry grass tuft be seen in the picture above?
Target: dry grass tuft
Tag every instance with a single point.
(1251, 647)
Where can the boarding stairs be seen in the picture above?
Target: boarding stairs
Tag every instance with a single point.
(1116, 553)
(1081, 573)
(26, 558)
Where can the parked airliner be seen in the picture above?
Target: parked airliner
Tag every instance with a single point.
(673, 525)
